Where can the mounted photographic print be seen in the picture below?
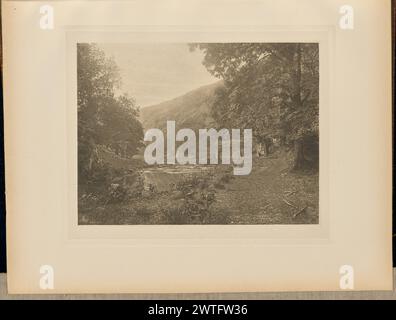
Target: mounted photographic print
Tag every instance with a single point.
(194, 146)
(198, 133)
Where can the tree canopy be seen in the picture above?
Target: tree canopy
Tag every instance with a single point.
(270, 88)
(104, 118)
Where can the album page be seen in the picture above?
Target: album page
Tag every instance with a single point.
(198, 146)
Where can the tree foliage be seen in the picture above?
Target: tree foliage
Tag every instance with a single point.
(105, 119)
(270, 88)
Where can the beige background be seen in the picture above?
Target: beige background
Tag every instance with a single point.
(39, 177)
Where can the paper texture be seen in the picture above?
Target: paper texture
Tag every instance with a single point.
(353, 228)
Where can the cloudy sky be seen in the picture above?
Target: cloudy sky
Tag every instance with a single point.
(153, 73)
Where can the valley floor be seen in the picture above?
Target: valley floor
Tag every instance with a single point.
(271, 194)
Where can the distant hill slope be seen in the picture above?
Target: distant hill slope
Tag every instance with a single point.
(191, 110)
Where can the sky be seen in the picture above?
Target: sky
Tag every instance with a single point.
(155, 72)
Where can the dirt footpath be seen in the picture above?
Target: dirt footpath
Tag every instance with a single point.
(271, 194)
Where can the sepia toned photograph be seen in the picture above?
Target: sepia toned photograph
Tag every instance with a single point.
(201, 133)
(194, 150)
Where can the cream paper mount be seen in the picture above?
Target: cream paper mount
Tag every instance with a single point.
(271, 230)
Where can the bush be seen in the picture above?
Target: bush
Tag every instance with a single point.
(194, 198)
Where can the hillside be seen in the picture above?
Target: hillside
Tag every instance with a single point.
(191, 110)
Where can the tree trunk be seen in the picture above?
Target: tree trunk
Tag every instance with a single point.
(298, 75)
(306, 153)
(299, 159)
(265, 148)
